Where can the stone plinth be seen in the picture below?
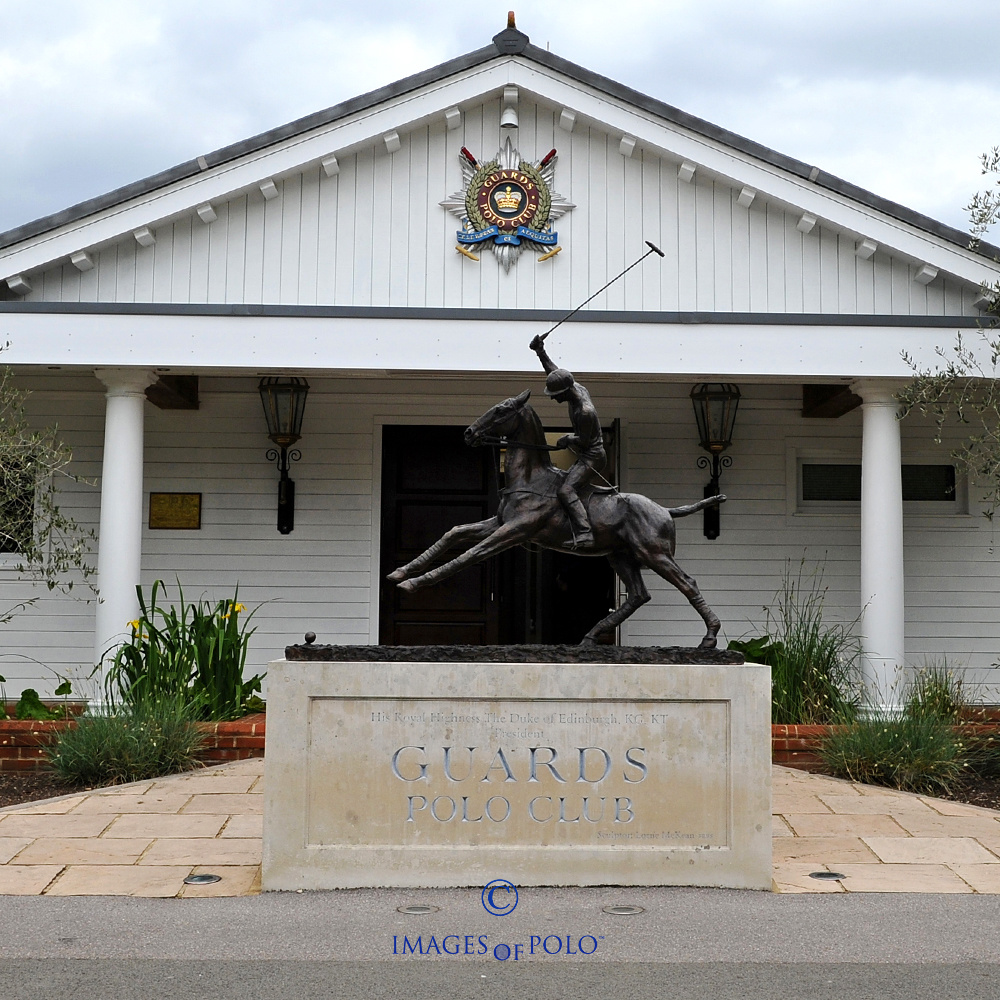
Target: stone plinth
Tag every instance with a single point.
(453, 774)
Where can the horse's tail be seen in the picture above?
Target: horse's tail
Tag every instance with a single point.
(693, 508)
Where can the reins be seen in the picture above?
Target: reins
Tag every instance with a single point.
(494, 441)
(502, 442)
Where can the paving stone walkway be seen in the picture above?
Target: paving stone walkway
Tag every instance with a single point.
(144, 839)
(141, 839)
(880, 840)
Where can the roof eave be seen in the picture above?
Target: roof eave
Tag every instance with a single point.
(262, 140)
(732, 139)
(471, 60)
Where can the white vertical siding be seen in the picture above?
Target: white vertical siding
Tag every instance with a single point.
(374, 235)
(319, 577)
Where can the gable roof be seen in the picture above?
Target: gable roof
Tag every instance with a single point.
(509, 44)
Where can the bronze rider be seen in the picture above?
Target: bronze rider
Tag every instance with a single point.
(586, 440)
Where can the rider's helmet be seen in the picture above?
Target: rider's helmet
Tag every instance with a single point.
(558, 381)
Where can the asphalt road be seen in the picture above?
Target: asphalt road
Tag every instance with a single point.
(689, 943)
(235, 980)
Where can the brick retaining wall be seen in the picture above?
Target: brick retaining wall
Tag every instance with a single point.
(795, 746)
(23, 743)
(235, 740)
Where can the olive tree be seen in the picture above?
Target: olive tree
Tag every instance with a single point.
(963, 388)
(45, 546)
(984, 206)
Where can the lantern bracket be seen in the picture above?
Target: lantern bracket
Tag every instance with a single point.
(283, 458)
(717, 463)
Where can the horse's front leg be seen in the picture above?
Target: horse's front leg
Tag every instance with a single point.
(505, 537)
(459, 535)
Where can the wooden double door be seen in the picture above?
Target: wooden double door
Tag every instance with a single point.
(432, 481)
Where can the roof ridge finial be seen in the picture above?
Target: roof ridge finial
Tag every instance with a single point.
(510, 41)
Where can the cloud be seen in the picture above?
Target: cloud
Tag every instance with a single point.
(96, 95)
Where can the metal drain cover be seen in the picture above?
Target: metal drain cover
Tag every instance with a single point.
(624, 910)
(415, 909)
(202, 879)
(827, 876)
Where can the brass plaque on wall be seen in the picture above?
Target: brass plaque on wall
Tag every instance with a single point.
(175, 510)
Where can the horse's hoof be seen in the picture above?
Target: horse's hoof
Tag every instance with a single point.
(587, 641)
(709, 642)
(397, 575)
(408, 586)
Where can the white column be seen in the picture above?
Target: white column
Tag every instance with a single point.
(883, 614)
(119, 552)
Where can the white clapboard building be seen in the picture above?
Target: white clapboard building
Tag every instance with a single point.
(348, 249)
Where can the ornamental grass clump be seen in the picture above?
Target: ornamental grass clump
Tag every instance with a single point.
(144, 742)
(193, 656)
(918, 748)
(813, 661)
(935, 690)
(914, 752)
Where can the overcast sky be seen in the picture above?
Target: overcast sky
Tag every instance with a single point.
(899, 96)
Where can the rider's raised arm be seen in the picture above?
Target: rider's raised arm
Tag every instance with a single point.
(538, 346)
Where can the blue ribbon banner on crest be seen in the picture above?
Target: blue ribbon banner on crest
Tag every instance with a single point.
(522, 232)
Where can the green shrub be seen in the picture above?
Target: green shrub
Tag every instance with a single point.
(914, 752)
(195, 655)
(813, 662)
(30, 707)
(145, 742)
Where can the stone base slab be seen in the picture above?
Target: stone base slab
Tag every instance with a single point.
(454, 774)
(525, 653)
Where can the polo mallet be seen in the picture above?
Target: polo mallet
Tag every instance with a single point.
(653, 248)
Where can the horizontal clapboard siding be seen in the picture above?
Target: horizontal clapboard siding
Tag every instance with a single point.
(54, 636)
(319, 577)
(375, 235)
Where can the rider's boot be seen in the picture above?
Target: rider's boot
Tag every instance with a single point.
(583, 535)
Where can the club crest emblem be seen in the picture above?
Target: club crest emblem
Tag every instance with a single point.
(508, 205)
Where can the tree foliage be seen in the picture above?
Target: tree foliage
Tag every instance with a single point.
(984, 206)
(963, 389)
(47, 546)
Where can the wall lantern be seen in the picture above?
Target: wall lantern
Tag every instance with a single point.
(284, 400)
(715, 405)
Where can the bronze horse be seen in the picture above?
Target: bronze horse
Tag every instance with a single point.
(630, 530)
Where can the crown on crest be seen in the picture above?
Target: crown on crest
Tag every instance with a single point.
(508, 200)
